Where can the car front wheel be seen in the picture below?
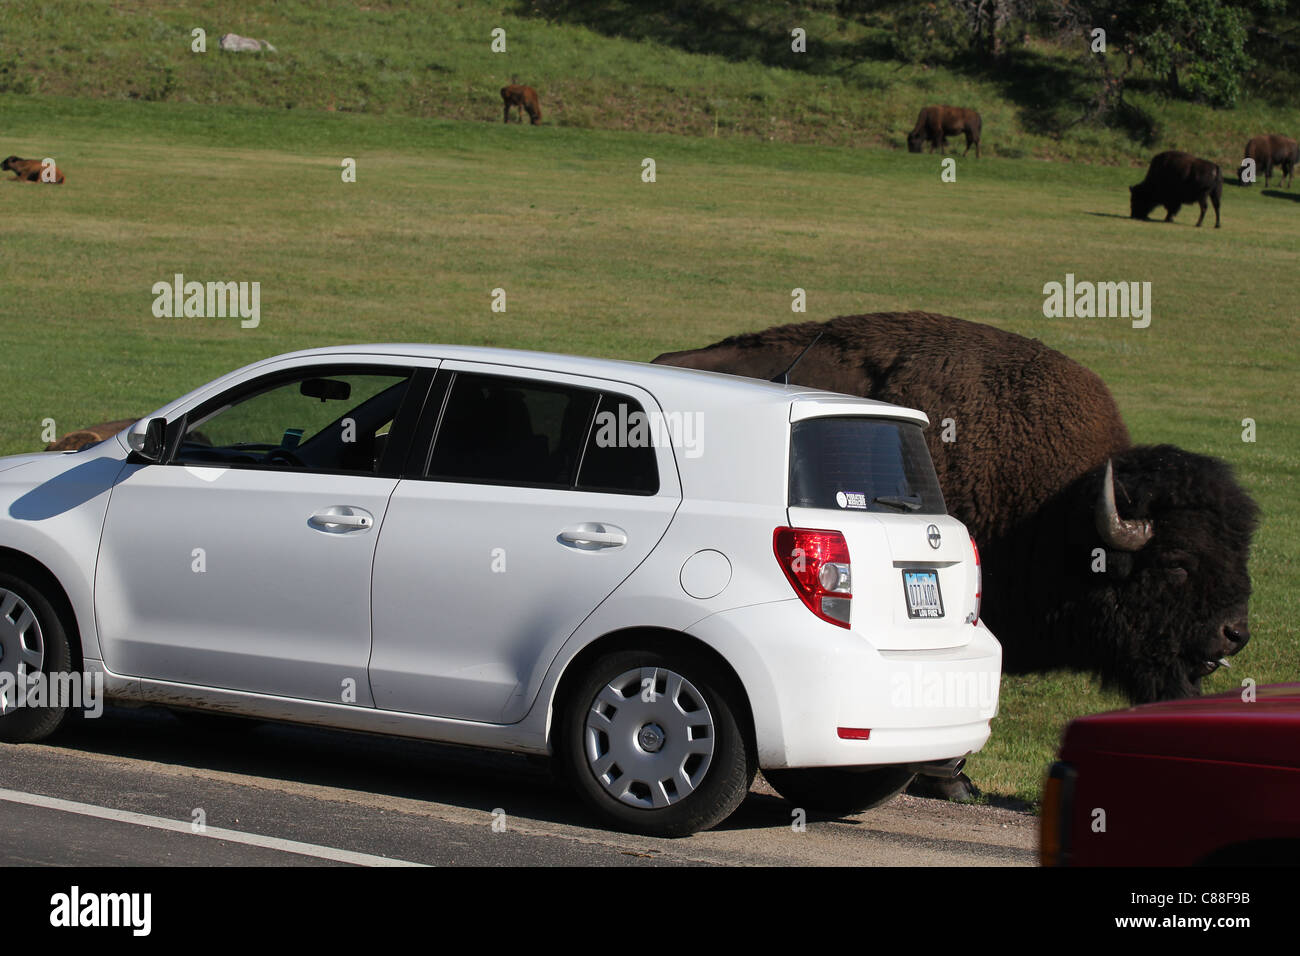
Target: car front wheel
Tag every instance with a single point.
(33, 649)
(839, 790)
(653, 742)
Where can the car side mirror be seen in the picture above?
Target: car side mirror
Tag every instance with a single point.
(152, 446)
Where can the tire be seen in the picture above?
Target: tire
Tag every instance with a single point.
(32, 639)
(839, 790)
(651, 766)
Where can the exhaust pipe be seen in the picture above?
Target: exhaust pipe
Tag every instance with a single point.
(939, 768)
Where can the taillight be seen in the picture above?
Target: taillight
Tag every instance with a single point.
(817, 566)
(979, 579)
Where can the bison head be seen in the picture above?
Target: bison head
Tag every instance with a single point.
(915, 140)
(1169, 607)
(1140, 202)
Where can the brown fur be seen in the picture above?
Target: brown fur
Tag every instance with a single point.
(524, 97)
(1273, 151)
(28, 170)
(1033, 432)
(1174, 178)
(1005, 393)
(82, 437)
(935, 124)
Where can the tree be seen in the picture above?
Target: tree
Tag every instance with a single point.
(988, 20)
(1196, 48)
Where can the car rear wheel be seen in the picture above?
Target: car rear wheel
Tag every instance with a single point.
(839, 790)
(33, 648)
(653, 742)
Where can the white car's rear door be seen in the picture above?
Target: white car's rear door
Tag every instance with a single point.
(522, 527)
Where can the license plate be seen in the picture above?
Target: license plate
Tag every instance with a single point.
(922, 591)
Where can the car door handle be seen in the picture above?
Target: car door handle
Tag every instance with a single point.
(341, 518)
(594, 535)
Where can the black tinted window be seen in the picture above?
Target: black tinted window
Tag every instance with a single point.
(511, 431)
(862, 464)
(619, 457)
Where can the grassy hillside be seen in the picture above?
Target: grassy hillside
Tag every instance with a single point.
(727, 72)
(595, 261)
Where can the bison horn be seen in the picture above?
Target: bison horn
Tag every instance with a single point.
(1116, 532)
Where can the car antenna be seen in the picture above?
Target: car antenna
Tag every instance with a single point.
(783, 378)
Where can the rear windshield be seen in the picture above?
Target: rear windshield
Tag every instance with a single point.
(862, 464)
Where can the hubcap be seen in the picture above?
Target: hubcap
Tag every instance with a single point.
(22, 648)
(648, 737)
(651, 738)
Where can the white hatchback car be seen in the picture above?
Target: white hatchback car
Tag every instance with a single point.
(665, 578)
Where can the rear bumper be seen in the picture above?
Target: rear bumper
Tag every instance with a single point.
(806, 679)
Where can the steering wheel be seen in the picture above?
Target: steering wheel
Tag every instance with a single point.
(283, 455)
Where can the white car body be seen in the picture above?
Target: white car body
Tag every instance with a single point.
(452, 610)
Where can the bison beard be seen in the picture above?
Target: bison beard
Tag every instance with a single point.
(1026, 474)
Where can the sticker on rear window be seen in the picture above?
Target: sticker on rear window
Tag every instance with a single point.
(851, 499)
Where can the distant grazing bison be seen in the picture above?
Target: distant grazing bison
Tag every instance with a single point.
(1174, 178)
(1126, 561)
(29, 170)
(1273, 151)
(76, 440)
(524, 97)
(936, 123)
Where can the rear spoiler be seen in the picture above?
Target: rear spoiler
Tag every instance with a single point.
(830, 405)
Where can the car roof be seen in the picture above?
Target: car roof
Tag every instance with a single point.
(654, 378)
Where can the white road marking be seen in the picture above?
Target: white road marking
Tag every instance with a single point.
(216, 833)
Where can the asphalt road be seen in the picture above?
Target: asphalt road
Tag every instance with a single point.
(135, 787)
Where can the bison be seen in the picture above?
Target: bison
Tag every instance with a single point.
(1098, 555)
(935, 123)
(29, 170)
(1174, 178)
(524, 97)
(1274, 151)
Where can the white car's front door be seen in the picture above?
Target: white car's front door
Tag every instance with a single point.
(245, 563)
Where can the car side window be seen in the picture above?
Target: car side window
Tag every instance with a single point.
(510, 431)
(320, 419)
(498, 430)
(620, 454)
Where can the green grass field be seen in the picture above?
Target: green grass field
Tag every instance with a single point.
(595, 261)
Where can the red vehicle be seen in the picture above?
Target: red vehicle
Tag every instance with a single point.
(1206, 780)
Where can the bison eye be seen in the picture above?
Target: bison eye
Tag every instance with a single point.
(1177, 575)
(1177, 563)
